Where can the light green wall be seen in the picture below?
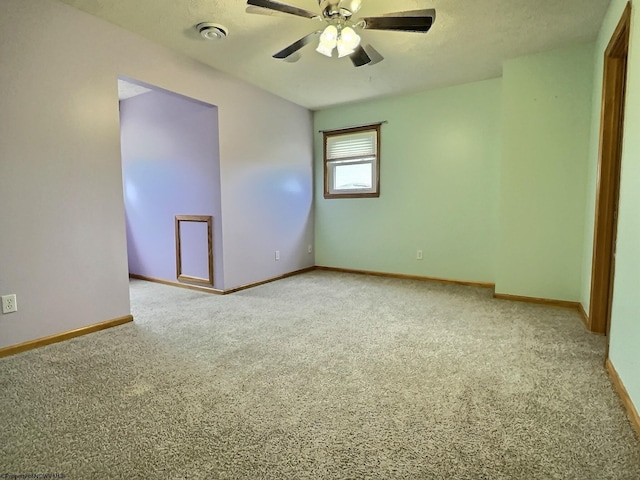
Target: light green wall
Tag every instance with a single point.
(546, 122)
(625, 316)
(439, 186)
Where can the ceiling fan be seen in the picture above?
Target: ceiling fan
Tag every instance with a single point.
(340, 30)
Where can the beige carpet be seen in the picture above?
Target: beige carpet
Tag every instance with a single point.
(320, 376)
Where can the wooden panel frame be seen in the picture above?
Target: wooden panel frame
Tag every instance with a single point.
(608, 181)
(208, 219)
(344, 131)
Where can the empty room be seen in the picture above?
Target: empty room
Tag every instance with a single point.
(319, 239)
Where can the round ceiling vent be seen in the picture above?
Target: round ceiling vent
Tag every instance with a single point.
(212, 31)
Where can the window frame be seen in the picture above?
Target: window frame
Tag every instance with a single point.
(328, 194)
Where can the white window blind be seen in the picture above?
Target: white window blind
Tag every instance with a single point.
(353, 146)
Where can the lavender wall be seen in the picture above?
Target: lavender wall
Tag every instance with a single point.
(62, 242)
(170, 166)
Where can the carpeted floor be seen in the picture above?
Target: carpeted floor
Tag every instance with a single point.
(320, 376)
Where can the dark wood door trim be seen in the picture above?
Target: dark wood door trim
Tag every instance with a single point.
(208, 219)
(608, 183)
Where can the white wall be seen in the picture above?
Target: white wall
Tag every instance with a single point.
(267, 191)
(61, 186)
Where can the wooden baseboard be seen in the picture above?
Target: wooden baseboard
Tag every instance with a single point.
(583, 314)
(408, 277)
(540, 301)
(269, 280)
(620, 389)
(215, 290)
(310, 269)
(548, 301)
(197, 288)
(60, 337)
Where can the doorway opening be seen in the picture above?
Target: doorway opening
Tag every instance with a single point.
(609, 164)
(170, 169)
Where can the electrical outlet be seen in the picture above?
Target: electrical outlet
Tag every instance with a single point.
(310, 248)
(277, 255)
(9, 303)
(419, 255)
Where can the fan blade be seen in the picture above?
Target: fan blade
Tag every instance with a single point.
(263, 11)
(281, 7)
(411, 21)
(360, 57)
(375, 56)
(295, 46)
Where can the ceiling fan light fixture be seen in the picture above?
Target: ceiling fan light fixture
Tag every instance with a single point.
(344, 51)
(339, 31)
(330, 35)
(328, 41)
(325, 50)
(347, 42)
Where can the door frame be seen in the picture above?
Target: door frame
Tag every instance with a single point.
(608, 180)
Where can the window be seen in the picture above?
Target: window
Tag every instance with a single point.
(352, 162)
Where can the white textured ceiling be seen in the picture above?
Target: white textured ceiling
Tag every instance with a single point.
(469, 41)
